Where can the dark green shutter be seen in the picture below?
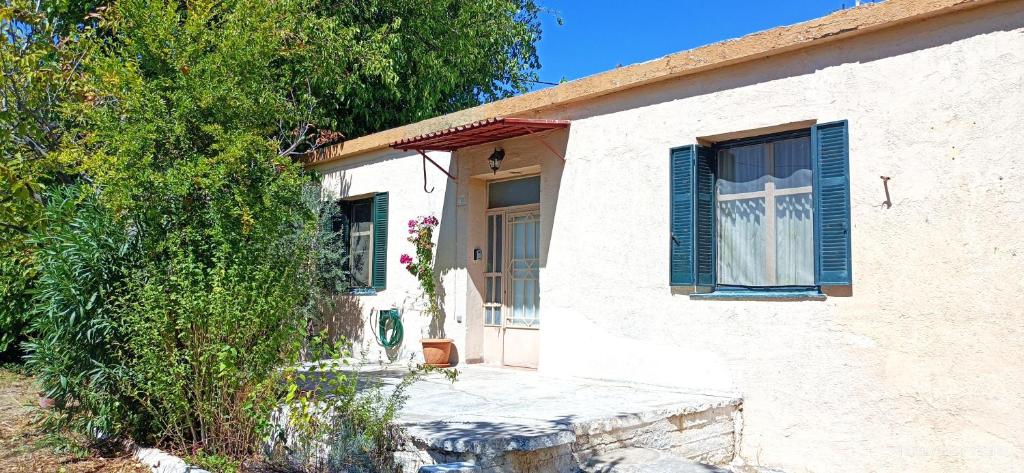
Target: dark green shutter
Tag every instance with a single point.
(380, 241)
(831, 160)
(691, 256)
(681, 241)
(704, 226)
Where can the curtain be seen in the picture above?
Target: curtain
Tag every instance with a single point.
(794, 224)
(765, 227)
(741, 244)
(794, 240)
(524, 268)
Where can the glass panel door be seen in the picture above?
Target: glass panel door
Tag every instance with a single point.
(524, 268)
(494, 269)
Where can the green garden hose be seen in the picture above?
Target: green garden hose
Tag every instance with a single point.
(389, 328)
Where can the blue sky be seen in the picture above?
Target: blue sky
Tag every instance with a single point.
(600, 34)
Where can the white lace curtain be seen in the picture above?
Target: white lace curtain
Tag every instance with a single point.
(765, 227)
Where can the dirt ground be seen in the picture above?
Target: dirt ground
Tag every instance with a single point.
(21, 450)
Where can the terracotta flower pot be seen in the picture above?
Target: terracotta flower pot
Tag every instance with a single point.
(437, 352)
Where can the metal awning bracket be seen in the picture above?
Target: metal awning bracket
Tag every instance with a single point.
(427, 158)
(540, 139)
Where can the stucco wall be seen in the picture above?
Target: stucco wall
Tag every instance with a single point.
(920, 369)
(400, 174)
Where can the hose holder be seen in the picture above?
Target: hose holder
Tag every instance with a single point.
(389, 327)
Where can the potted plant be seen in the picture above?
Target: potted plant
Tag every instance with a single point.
(436, 348)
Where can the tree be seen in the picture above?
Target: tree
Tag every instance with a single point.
(445, 55)
(182, 130)
(40, 60)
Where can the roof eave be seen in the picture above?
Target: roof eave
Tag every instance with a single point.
(840, 25)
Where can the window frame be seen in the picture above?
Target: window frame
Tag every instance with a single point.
(349, 209)
(521, 177)
(773, 291)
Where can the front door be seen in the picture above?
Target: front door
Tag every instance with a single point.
(512, 300)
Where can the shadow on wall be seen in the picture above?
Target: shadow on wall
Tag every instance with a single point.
(342, 319)
(524, 156)
(551, 183)
(334, 186)
(445, 258)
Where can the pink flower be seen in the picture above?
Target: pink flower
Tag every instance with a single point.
(412, 223)
(406, 259)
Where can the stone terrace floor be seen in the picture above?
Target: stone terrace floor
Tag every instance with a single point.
(508, 409)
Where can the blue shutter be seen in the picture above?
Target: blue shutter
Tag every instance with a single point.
(380, 241)
(682, 271)
(691, 255)
(704, 218)
(831, 160)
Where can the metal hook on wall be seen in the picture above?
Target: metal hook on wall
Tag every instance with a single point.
(885, 184)
(425, 175)
(427, 158)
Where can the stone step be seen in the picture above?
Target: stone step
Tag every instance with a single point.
(702, 433)
(457, 467)
(644, 460)
(507, 421)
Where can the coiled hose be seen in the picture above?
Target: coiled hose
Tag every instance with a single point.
(389, 327)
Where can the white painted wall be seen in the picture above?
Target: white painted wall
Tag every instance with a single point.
(401, 175)
(921, 369)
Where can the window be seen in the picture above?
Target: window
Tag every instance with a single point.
(513, 192)
(362, 225)
(764, 213)
(360, 242)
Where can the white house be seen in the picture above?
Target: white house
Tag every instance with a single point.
(826, 218)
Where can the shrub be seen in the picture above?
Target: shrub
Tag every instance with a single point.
(338, 416)
(218, 310)
(16, 279)
(173, 326)
(84, 261)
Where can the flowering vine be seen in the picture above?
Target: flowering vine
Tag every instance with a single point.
(421, 233)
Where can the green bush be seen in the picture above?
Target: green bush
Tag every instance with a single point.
(180, 282)
(16, 280)
(217, 309)
(84, 261)
(174, 329)
(336, 416)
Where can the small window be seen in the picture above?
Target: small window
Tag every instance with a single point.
(513, 192)
(360, 255)
(764, 215)
(362, 227)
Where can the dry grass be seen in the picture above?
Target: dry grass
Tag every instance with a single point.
(21, 449)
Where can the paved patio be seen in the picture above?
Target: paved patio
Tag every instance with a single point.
(523, 410)
(496, 416)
